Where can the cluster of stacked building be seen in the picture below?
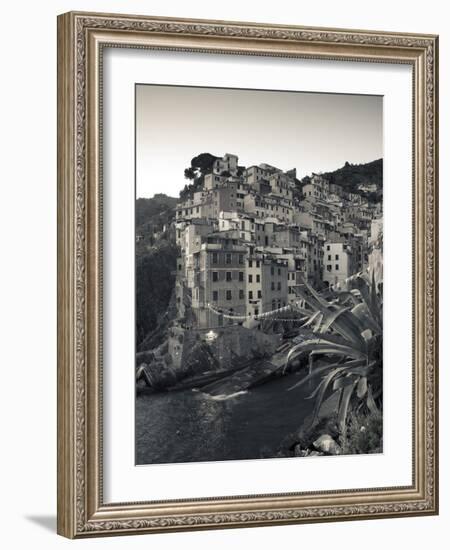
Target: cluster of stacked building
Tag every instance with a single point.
(249, 236)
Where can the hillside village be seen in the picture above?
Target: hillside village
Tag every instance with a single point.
(248, 236)
(244, 282)
(219, 271)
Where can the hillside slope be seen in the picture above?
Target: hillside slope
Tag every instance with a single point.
(352, 175)
(156, 255)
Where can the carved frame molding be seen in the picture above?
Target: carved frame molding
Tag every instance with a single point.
(81, 38)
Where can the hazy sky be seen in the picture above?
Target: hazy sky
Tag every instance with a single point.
(312, 132)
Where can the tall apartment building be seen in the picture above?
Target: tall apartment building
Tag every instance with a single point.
(228, 163)
(209, 204)
(315, 257)
(267, 287)
(217, 280)
(297, 270)
(243, 225)
(339, 263)
(212, 181)
(253, 174)
(317, 189)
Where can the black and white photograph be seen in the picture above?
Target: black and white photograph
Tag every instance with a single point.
(258, 274)
(223, 224)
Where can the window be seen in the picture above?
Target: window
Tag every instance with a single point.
(215, 295)
(228, 294)
(250, 263)
(215, 258)
(272, 286)
(329, 267)
(329, 256)
(259, 294)
(336, 267)
(241, 294)
(337, 257)
(256, 311)
(250, 294)
(241, 276)
(258, 278)
(328, 247)
(272, 270)
(215, 276)
(228, 276)
(241, 258)
(228, 258)
(279, 285)
(257, 263)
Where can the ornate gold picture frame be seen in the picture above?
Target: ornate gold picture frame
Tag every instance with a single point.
(82, 39)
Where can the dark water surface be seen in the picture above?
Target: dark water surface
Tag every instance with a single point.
(188, 426)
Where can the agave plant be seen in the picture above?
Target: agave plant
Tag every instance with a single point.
(347, 329)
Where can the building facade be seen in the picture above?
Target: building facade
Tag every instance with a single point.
(248, 239)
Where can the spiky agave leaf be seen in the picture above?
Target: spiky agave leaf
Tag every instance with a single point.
(301, 310)
(344, 297)
(362, 313)
(332, 338)
(322, 369)
(371, 405)
(351, 333)
(313, 319)
(361, 388)
(335, 317)
(345, 380)
(344, 405)
(318, 346)
(331, 318)
(370, 298)
(321, 393)
(302, 291)
(349, 326)
(314, 294)
(363, 370)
